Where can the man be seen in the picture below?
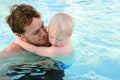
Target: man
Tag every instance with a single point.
(26, 23)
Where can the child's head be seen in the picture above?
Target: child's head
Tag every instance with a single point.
(60, 29)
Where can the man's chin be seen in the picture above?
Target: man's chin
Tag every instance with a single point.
(44, 44)
(39, 44)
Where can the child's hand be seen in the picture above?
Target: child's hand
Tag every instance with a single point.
(18, 40)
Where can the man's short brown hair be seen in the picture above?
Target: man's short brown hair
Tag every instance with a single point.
(21, 16)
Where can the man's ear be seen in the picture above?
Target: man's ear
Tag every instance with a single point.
(19, 35)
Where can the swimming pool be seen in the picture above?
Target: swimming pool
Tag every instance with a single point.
(96, 37)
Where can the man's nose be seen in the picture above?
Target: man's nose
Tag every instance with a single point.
(42, 33)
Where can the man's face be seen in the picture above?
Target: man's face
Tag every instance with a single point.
(36, 33)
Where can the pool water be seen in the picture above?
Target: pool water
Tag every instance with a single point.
(96, 36)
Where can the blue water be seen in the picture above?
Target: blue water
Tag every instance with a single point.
(96, 36)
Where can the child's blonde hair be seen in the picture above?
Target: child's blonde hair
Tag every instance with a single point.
(61, 25)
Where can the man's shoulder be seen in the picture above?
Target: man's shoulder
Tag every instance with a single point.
(12, 49)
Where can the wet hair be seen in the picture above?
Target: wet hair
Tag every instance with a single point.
(61, 25)
(20, 17)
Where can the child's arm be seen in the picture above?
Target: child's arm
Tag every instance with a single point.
(42, 51)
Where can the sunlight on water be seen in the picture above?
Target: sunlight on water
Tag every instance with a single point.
(96, 37)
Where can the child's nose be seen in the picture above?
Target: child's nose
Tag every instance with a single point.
(54, 41)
